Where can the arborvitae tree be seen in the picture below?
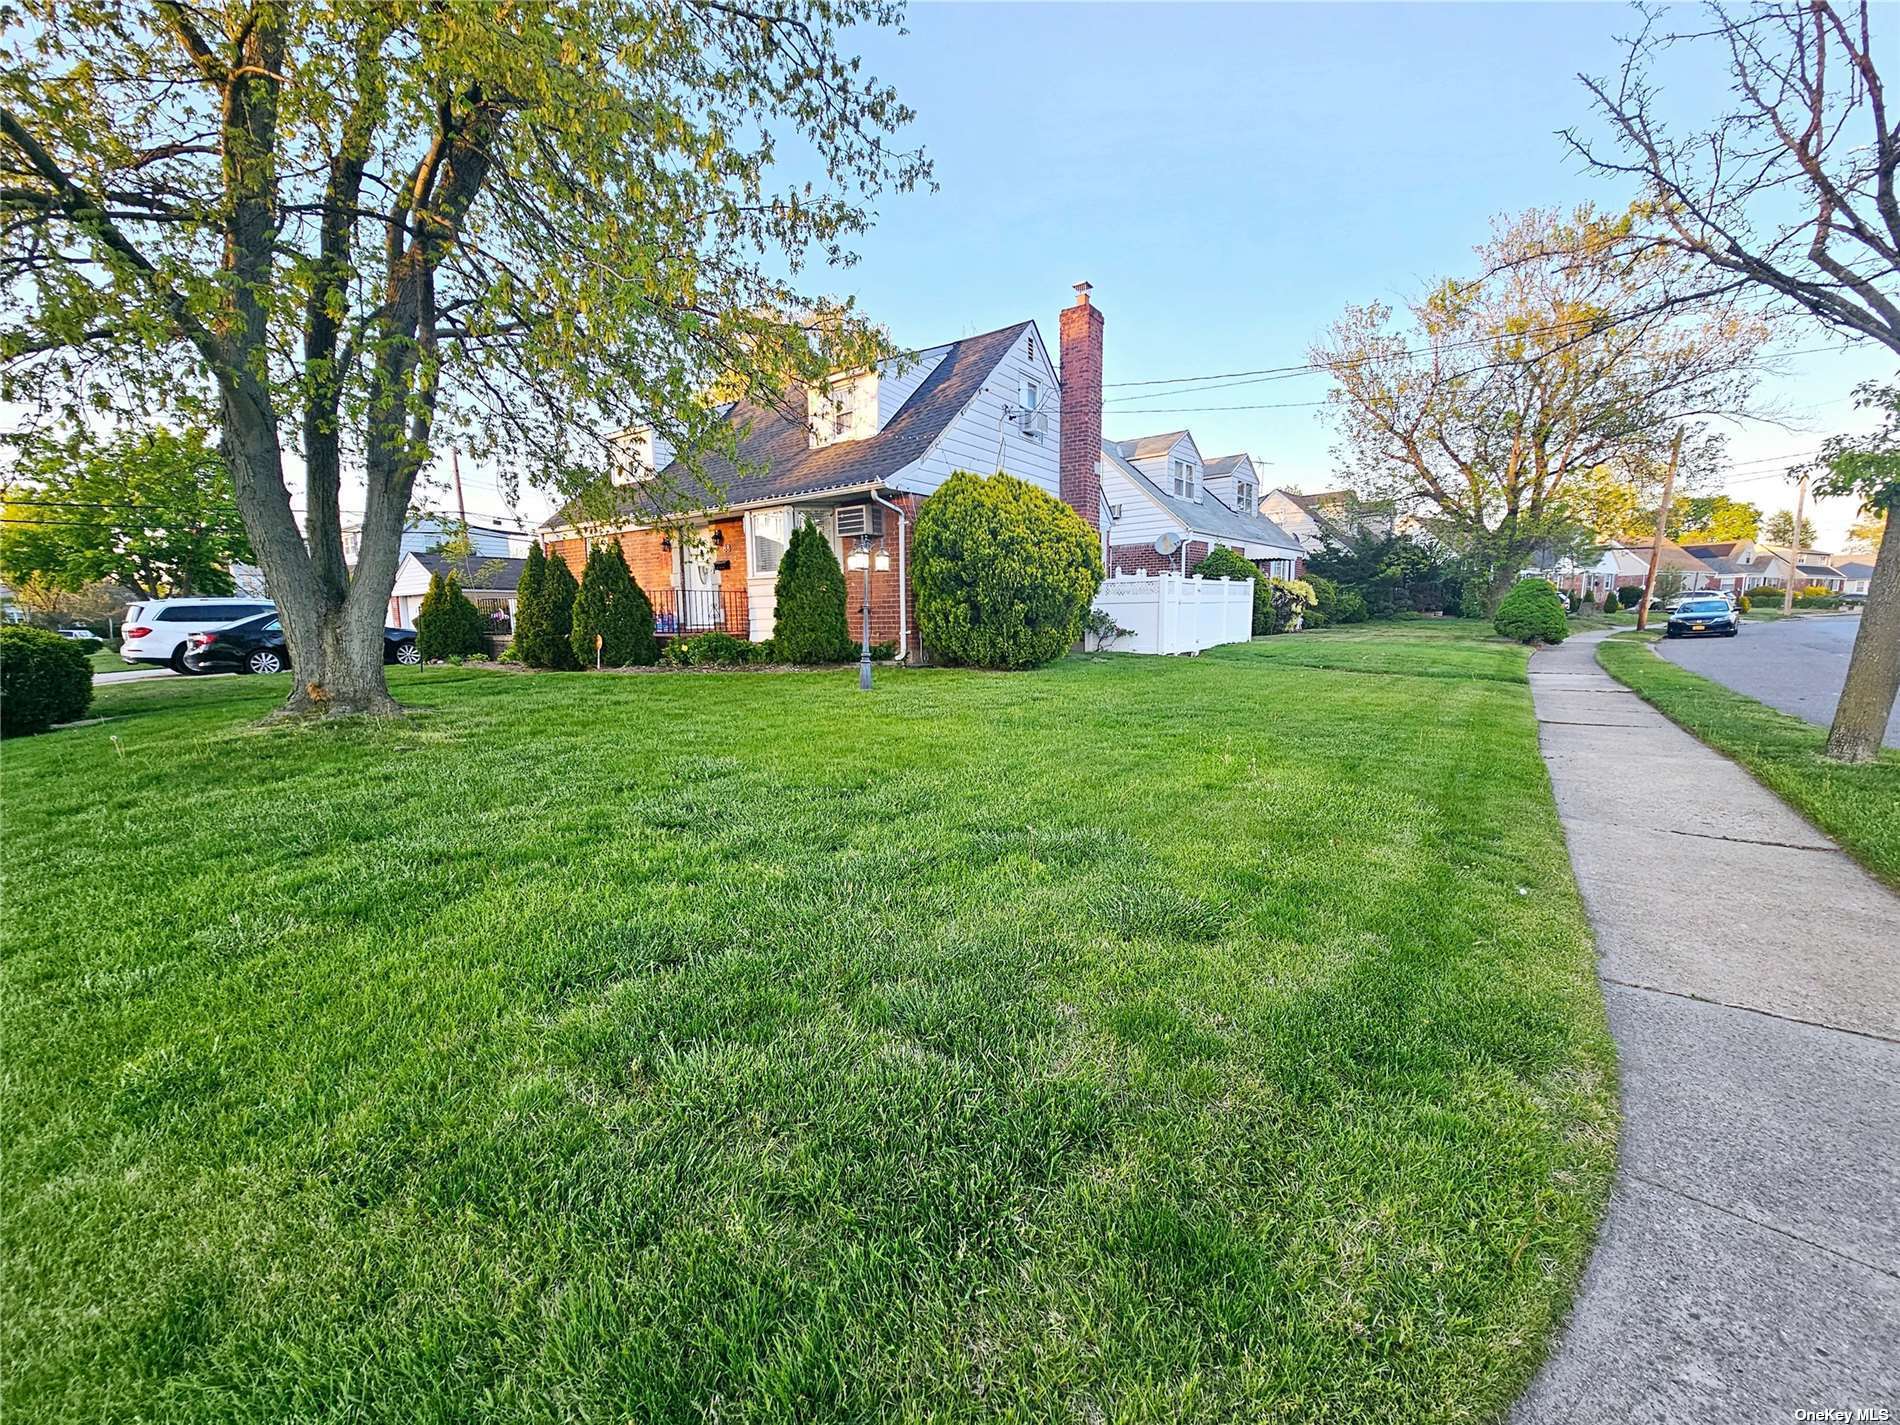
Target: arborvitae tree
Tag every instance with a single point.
(544, 612)
(809, 624)
(447, 624)
(612, 605)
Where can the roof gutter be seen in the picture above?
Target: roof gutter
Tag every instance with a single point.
(709, 512)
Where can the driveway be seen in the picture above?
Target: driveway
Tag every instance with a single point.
(1749, 1264)
(1796, 665)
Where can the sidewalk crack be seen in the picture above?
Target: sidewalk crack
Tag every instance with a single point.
(1752, 841)
(1687, 1196)
(1750, 1009)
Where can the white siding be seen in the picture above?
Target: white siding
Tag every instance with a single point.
(1141, 518)
(1159, 468)
(972, 439)
(897, 381)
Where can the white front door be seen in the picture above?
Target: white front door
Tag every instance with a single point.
(699, 583)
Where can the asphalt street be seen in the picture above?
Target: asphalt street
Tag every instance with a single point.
(1796, 665)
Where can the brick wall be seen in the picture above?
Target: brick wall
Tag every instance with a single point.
(885, 588)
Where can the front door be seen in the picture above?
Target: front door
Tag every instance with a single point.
(699, 585)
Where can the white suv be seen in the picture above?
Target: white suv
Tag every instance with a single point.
(155, 631)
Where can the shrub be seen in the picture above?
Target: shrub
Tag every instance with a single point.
(1578, 605)
(764, 651)
(44, 679)
(447, 624)
(1630, 595)
(1743, 604)
(1765, 591)
(884, 652)
(1004, 573)
(1532, 613)
(1822, 600)
(1291, 598)
(809, 623)
(1351, 607)
(1471, 600)
(1226, 564)
(87, 646)
(712, 649)
(610, 604)
(544, 612)
(1326, 601)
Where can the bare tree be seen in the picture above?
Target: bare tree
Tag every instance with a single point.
(1790, 194)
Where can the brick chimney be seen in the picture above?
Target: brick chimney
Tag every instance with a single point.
(1081, 455)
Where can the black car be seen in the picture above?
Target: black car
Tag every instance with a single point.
(257, 646)
(1704, 617)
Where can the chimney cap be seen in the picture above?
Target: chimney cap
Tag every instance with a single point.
(1082, 290)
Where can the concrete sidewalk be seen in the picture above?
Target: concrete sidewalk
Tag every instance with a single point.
(1749, 1266)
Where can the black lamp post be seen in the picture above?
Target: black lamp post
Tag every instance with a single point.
(864, 561)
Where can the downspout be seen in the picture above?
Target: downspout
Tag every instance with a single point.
(903, 580)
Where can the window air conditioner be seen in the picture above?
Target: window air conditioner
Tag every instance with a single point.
(855, 521)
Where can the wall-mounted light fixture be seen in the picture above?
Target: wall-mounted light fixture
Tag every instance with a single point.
(719, 539)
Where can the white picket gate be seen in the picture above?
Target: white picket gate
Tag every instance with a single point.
(1176, 613)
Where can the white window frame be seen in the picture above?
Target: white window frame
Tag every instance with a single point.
(1180, 478)
(782, 517)
(1031, 394)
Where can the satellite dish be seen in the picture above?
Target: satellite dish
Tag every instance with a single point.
(1167, 542)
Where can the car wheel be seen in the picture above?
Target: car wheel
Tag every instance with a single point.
(177, 663)
(408, 654)
(264, 660)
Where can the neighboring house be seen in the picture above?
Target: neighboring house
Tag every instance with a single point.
(490, 582)
(1308, 518)
(1625, 565)
(424, 533)
(1856, 576)
(1742, 564)
(1815, 570)
(1159, 488)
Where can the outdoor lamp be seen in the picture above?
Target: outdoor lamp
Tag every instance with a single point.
(882, 563)
(858, 559)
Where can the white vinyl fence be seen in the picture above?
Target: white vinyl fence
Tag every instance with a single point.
(1176, 613)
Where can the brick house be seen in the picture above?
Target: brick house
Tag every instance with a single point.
(871, 446)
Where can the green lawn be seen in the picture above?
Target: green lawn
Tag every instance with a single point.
(1138, 1039)
(107, 660)
(1853, 804)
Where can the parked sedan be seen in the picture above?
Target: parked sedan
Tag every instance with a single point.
(1706, 616)
(257, 646)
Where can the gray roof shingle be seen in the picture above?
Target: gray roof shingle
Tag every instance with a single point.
(776, 458)
(485, 572)
(1210, 515)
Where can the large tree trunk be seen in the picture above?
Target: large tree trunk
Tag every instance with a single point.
(1873, 674)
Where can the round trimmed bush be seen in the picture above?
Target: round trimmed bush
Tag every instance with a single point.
(808, 622)
(1004, 572)
(1351, 607)
(1630, 595)
(1223, 563)
(1533, 612)
(44, 679)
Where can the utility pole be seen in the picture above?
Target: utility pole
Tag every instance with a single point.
(1794, 564)
(455, 469)
(1662, 526)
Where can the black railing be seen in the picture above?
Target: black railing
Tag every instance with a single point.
(684, 612)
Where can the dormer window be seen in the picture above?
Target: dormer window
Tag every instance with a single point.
(844, 410)
(1180, 477)
(1186, 483)
(1243, 497)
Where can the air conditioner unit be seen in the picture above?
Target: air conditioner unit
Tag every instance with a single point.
(1033, 422)
(857, 521)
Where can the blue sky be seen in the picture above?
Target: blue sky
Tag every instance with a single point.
(1231, 176)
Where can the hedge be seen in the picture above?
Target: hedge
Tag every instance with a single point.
(808, 622)
(44, 679)
(1004, 572)
(1532, 612)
